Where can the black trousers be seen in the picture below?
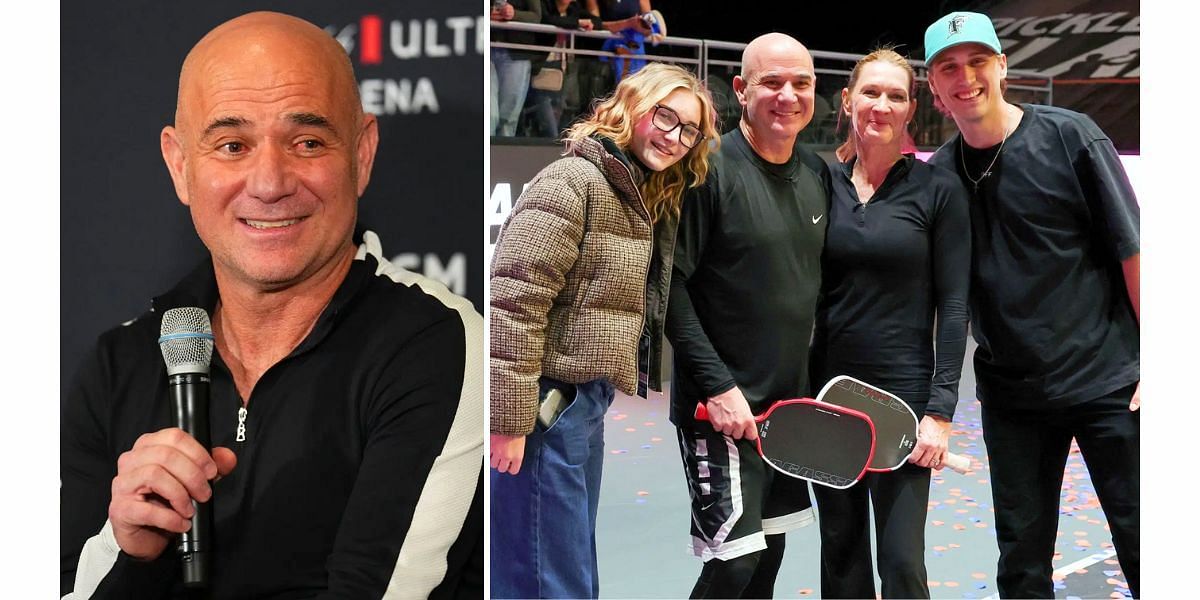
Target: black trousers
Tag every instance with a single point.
(1028, 452)
(900, 498)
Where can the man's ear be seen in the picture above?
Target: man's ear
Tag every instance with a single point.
(173, 155)
(739, 88)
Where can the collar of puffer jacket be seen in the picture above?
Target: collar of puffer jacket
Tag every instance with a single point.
(617, 168)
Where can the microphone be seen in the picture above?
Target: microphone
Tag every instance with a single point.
(187, 344)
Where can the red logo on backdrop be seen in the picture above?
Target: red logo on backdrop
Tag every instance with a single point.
(370, 40)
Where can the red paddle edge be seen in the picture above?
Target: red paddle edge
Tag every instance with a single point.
(701, 414)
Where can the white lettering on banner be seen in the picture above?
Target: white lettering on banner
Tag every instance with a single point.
(499, 207)
(460, 25)
(416, 38)
(1071, 24)
(345, 36)
(453, 273)
(390, 96)
(1028, 42)
(406, 42)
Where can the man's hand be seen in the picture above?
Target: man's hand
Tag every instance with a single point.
(586, 24)
(1136, 402)
(730, 414)
(933, 438)
(154, 487)
(507, 12)
(507, 452)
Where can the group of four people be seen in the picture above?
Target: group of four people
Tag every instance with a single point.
(776, 272)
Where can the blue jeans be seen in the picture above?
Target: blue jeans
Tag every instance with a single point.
(544, 517)
(510, 82)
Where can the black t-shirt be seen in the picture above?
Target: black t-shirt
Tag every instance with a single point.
(1050, 227)
(888, 266)
(746, 277)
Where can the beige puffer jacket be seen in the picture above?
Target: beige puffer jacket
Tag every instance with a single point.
(568, 283)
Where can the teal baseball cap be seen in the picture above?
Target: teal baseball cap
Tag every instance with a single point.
(959, 28)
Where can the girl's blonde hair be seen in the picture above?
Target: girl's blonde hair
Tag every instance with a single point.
(888, 55)
(616, 116)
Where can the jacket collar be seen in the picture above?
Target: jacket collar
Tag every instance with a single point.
(617, 168)
(199, 289)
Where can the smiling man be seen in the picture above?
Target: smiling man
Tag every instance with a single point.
(1054, 302)
(346, 394)
(740, 315)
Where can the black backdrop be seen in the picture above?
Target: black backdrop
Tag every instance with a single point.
(125, 236)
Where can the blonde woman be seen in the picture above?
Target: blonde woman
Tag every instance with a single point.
(579, 285)
(897, 255)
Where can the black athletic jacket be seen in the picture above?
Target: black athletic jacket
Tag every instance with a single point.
(360, 472)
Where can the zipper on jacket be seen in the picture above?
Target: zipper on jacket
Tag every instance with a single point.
(241, 424)
(645, 284)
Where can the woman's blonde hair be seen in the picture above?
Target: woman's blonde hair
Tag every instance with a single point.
(887, 55)
(616, 116)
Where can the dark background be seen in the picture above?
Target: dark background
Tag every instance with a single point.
(124, 235)
(1110, 98)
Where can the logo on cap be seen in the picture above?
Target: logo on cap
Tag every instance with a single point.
(956, 24)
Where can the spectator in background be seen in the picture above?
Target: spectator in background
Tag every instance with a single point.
(511, 68)
(545, 107)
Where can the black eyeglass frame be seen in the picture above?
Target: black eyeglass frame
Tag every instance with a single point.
(679, 124)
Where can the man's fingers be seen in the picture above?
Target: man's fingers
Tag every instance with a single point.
(181, 442)
(171, 461)
(750, 430)
(132, 512)
(154, 479)
(225, 460)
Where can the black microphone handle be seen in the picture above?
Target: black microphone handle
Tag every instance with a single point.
(189, 412)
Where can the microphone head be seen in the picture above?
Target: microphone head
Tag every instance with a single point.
(186, 340)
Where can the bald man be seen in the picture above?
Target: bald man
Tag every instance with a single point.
(346, 393)
(740, 316)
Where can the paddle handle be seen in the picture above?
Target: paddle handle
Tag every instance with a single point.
(701, 412)
(957, 463)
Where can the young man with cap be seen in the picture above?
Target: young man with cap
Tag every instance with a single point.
(1054, 301)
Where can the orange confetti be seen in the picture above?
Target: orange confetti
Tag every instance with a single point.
(1080, 571)
(955, 546)
(643, 493)
(1080, 533)
(656, 439)
(630, 429)
(805, 591)
(649, 423)
(1111, 561)
(1117, 595)
(979, 575)
(981, 525)
(940, 548)
(962, 511)
(951, 584)
(935, 584)
(1114, 581)
(960, 527)
(938, 523)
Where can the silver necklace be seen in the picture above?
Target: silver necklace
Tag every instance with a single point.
(986, 172)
